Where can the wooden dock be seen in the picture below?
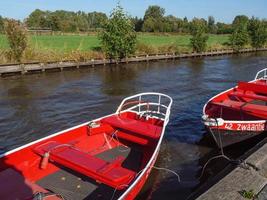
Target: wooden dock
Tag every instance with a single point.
(24, 68)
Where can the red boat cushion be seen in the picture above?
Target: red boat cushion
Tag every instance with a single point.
(112, 174)
(259, 88)
(250, 96)
(133, 125)
(248, 107)
(15, 186)
(134, 138)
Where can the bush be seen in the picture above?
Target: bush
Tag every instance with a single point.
(118, 37)
(142, 48)
(239, 39)
(169, 48)
(257, 33)
(199, 42)
(17, 39)
(199, 38)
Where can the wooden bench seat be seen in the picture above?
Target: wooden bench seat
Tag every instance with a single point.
(109, 173)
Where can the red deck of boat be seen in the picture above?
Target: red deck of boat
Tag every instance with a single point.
(239, 102)
(83, 145)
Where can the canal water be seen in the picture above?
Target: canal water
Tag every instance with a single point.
(34, 106)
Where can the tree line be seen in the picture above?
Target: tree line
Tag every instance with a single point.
(118, 32)
(61, 20)
(118, 36)
(154, 20)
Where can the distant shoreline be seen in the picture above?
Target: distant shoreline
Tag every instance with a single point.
(27, 68)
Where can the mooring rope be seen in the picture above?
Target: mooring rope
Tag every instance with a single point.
(238, 162)
(147, 168)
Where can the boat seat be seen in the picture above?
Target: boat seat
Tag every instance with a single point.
(136, 126)
(250, 96)
(109, 173)
(15, 186)
(244, 106)
(254, 87)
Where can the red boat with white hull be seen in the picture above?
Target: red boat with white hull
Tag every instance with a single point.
(107, 158)
(239, 113)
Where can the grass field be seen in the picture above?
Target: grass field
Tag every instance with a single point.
(68, 43)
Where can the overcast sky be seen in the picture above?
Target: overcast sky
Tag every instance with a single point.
(222, 10)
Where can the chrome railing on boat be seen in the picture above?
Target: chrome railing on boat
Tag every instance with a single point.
(150, 104)
(262, 74)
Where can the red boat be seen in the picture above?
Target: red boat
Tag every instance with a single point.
(239, 113)
(107, 158)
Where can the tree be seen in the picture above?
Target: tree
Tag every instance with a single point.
(155, 12)
(198, 24)
(61, 20)
(1, 24)
(81, 22)
(240, 20)
(153, 19)
(211, 25)
(149, 25)
(199, 38)
(96, 19)
(223, 28)
(138, 23)
(239, 38)
(17, 38)
(172, 24)
(118, 38)
(186, 25)
(257, 32)
(38, 19)
(55, 22)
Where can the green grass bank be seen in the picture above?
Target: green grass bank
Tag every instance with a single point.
(64, 47)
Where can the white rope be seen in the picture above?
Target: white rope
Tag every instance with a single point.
(152, 167)
(168, 170)
(105, 143)
(222, 155)
(215, 157)
(115, 190)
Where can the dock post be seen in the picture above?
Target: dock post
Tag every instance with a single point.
(42, 66)
(93, 62)
(59, 64)
(104, 62)
(23, 70)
